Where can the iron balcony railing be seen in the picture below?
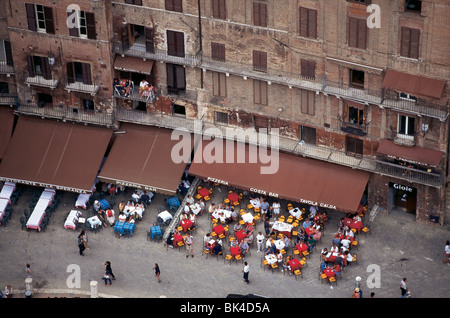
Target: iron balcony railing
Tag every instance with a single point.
(67, 114)
(41, 81)
(81, 87)
(8, 99)
(6, 69)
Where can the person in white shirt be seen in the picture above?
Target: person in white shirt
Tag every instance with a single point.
(246, 270)
(345, 242)
(260, 242)
(447, 253)
(190, 199)
(276, 208)
(142, 86)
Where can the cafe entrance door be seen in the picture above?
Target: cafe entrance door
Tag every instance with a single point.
(402, 196)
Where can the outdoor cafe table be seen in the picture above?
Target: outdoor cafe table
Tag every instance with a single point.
(7, 190)
(271, 259)
(165, 216)
(124, 227)
(186, 224)
(310, 230)
(301, 247)
(204, 192)
(82, 200)
(247, 217)
(72, 220)
(294, 264)
(195, 208)
(235, 250)
(173, 202)
(255, 203)
(295, 212)
(240, 235)
(155, 231)
(3, 204)
(353, 224)
(282, 227)
(233, 197)
(93, 221)
(219, 229)
(221, 215)
(279, 244)
(331, 257)
(329, 272)
(38, 213)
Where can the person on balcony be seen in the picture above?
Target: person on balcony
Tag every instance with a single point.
(142, 87)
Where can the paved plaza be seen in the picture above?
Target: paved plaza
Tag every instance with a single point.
(398, 246)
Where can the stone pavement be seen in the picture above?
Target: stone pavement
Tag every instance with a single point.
(400, 247)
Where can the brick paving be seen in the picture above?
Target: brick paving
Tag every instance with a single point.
(400, 247)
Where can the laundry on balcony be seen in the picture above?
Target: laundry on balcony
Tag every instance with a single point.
(123, 87)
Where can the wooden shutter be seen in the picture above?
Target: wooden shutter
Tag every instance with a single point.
(149, 45)
(177, 5)
(216, 9)
(170, 76)
(216, 84)
(31, 17)
(125, 39)
(303, 22)
(261, 122)
(179, 44)
(180, 77)
(353, 32)
(49, 24)
(87, 77)
(219, 9)
(308, 68)
(90, 24)
(264, 94)
(414, 44)
(312, 23)
(47, 74)
(259, 60)
(129, 1)
(169, 5)
(362, 34)
(171, 43)
(73, 31)
(263, 13)
(8, 53)
(30, 66)
(256, 14)
(70, 73)
(256, 92)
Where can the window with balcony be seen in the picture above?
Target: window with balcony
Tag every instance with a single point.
(414, 6)
(40, 18)
(409, 42)
(175, 43)
(218, 51)
(356, 79)
(357, 33)
(354, 146)
(88, 104)
(84, 26)
(260, 92)
(79, 72)
(308, 68)
(176, 78)
(39, 66)
(219, 9)
(307, 134)
(174, 5)
(219, 84)
(259, 61)
(408, 97)
(44, 100)
(308, 23)
(5, 52)
(260, 14)
(137, 36)
(221, 117)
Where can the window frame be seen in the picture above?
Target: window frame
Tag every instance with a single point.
(356, 144)
(407, 42)
(409, 123)
(259, 87)
(219, 83)
(259, 15)
(219, 9)
(308, 28)
(354, 37)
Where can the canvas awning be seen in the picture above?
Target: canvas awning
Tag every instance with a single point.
(415, 155)
(297, 179)
(54, 154)
(133, 64)
(6, 128)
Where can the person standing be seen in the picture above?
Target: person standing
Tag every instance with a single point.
(447, 253)
(189, 241)
(28, 270)
(81, 245)
(246, 271)
(403, 288)
(157, 272)
(260, 242)
(358, 285)
(108, 269)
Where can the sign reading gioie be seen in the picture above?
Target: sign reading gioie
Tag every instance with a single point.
(402, 187)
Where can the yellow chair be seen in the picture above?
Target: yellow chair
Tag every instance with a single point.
(303, 262)
(295, 233)
(210, 191)
(249, 206)
(226, 201)
(296, 252)
(230, 192)
(295, 224)
(213, 234)
(366, 230)
(180, 243)
(355, 243)
(305, 253)
(207, 198)
(332, 280)
(236, 203)
(297, 273)
(256, 217)
(274, 266)
(257, 210)
(238, 258)
(205, 251)
(241, 222)
(228, 257)
(198, 196)
(264, 263)
(281, 219)
(222, 236)
(180, 228)
(323, 277)
(290, 219)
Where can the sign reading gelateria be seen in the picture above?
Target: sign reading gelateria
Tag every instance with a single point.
(322, 205)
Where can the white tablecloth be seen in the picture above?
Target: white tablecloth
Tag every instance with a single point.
(196, 208)
(271, 259)
(7, 190)
(93, 221)
(279, 244)
(295, 212)
(82, 200)
(247, 217)
(282, 226)
(255, 203)
(221, 214)
(3, 204)
(39, 210)
(165, 215)
(72, 220)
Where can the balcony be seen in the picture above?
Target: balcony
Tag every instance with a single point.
(139, 50)
(6, 69)
(354, 129)
(404, 140)
(42, 82)
(81, 87)
(362, 95)
(66, 114)
(8, 99)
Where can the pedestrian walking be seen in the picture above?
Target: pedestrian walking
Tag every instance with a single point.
(157, 272)
(81, 245)
(404, 289)
(358, 285)
(260, 242)
(107, 278)
(246, 270)
(189, 241)
(108, 269)
(447, 253)
(28, 270)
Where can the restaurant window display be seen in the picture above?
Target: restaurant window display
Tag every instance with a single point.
(403, 197)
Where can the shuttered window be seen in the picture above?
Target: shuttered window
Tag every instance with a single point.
(79, 72)
(307, 101)
(219, 9)
(6, 52)
(219, 84)
(354, 146)
(357, 33)
(149, 42)
(176, 78)
(174, 5)
(308, 23)
(261, 123)
(308, 68)
(409, 46)
(40, 18)
(85, 27)
(175, 43)
(260, 92)
(218, 51)
(260, 14)
(39, 66)
(259, 61)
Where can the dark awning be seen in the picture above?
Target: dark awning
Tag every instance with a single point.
(6, 128)
(48, 153)
(133, 64)
(297, 179)
(413, 84)
(141, 157)
(415, 155)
